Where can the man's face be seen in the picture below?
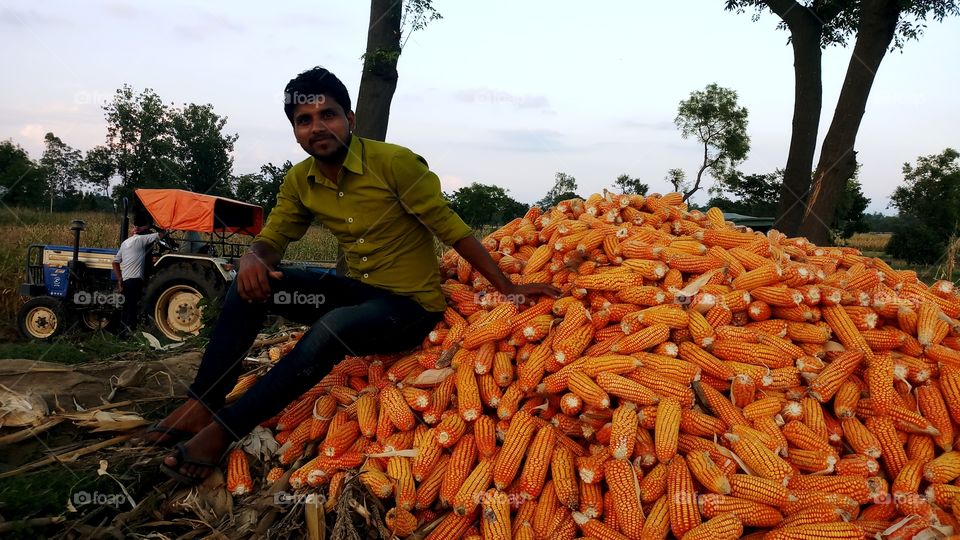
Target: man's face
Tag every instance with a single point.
(322, 127)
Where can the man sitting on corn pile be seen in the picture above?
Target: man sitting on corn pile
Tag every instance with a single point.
(384, 206)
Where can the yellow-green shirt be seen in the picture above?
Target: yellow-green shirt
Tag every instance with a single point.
(384, 210)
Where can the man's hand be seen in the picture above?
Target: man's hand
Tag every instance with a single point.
(532, 289)
(120, 287)
(253, 278)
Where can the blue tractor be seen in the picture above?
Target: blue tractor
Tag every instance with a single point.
(73, 286)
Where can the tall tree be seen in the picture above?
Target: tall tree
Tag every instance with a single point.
(626, 184)
(98, 168)
(814, 25)
(564, 187)
(480, 204)
(22, 182)
(716, 121)
(389, 19)
(678, 179)
(61, 165)
(201, 149)
(138, 136)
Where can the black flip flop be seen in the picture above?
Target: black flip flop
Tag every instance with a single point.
(174, 435)
(182, 459)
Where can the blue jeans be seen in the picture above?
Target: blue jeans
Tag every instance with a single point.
(346, 317)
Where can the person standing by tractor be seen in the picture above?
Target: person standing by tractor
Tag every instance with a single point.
(385, 207)
(128, 265)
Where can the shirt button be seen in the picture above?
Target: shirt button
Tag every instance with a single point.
(350, 220)
(340, 194)
(364, 259)
(360, 240)
(365, 275)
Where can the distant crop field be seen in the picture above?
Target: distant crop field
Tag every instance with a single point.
(869, 241)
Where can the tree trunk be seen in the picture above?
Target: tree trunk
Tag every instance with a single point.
(806, 31)
(878, 20)
(379, 79)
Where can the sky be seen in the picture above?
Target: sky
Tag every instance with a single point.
(497, 92)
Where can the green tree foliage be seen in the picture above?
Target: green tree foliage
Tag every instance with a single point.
(98, 168)
(929, 205)
(564, 187)
(22, 182)
(261, 188)
(678, 180)
(138, 136)
(480, 204)
(750, 194)
(61, 165)
(626, 184)
(848, 215)
(202, 151)
(153, 145)
(877, 222)
(717, 122)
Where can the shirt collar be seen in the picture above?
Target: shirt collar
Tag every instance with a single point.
(353, 162)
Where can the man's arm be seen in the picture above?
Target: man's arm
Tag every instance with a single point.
(474, 253)
(419, 191)
(116, 270)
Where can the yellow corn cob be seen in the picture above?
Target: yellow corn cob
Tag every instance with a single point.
(709, 363)
(591, 498)
(765, 275)
(537, 462)
(707, 473)
(452, 526)
(944, 468)
(476, 483)
(461, 464)
(696, 423)
(642, 340)
(750, 513)
(507, 461)
(597, 529)
(857, 465)
(762, 355)
(339, 440)
(826, 384)
(396, 408)
(662, 386)
(622, 482)
(239, 481)
(724, 526)
(375, 480)
(400, 522)
(762, 407)
(683, 511)
(428, 454)
(844, 329)
(720, 406)
(757, 489)
(429, 489)
(400, 473)
(885, 432)
(485, 435)
(657, 524)
(450, 430)
(743, 390)
(667, 429)
(588, 390)
(934, 408)
(563, 472)
(468, 393)
(623, 432)
(759, 458)
(495, 515)
(818, 531)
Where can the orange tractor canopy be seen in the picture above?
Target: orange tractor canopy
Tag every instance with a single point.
(180, 210)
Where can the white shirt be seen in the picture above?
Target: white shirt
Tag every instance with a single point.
(131, 254)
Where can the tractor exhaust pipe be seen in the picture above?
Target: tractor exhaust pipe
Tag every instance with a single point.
(76, 226)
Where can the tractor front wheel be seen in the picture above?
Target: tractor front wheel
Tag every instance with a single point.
(42, 317)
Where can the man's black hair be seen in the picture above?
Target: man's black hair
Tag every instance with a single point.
(307, 86)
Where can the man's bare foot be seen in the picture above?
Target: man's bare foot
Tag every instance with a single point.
(185, 421)
(196, 458)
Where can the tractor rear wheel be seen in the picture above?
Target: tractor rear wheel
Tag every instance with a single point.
(173, 294)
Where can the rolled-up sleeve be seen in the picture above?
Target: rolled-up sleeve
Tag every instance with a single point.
(418, 189)
(289, 219)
